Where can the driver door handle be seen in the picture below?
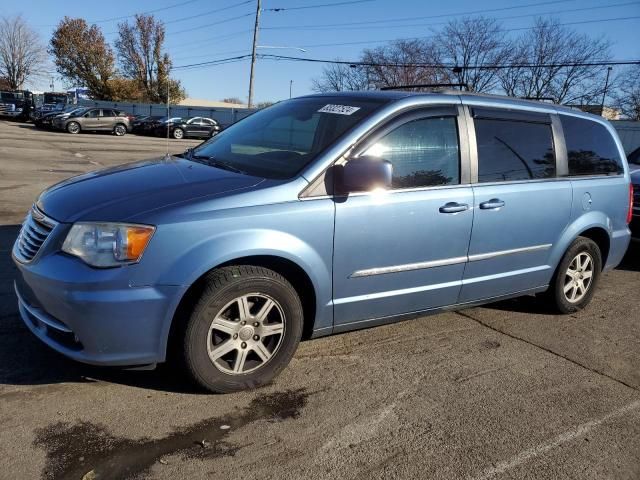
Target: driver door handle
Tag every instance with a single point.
(492, 204)
(454, 207)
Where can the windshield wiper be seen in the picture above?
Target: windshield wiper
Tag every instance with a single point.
(216, 163)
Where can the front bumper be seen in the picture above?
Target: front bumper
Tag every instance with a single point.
(67, 306)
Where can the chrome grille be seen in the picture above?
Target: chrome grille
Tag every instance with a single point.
(34, 232)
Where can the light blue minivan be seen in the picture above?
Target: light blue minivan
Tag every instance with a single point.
(323, 214)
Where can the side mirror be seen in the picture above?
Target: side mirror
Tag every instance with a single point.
(366, 173)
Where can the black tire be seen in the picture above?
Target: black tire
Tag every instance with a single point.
(120, 130)
(73, 127)
(178, 133)
(563, 279)
(223, 287)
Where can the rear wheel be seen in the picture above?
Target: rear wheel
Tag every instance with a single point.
(120, 130)
(178, 133)
(577, 275)
(243, 330)
(73, 127)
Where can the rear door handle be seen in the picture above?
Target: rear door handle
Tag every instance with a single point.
(454, 207)
(492, 204)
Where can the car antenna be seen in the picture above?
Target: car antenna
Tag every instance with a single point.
(167, 156)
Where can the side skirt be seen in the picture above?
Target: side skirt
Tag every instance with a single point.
(374, 322)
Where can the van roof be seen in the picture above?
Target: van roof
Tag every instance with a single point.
(498, 100)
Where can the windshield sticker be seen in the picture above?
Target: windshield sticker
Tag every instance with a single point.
(339, 109)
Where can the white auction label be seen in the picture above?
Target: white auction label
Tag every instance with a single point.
(339, 109)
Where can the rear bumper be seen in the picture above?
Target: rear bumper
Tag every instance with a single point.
(112, 324)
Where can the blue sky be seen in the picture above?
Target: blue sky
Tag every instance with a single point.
(209, 36)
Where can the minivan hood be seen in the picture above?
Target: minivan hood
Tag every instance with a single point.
(116, 194)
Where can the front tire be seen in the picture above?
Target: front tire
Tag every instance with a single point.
(120, 130)
(73, 127)
(178, 133)
(577, 276)
(243, 330)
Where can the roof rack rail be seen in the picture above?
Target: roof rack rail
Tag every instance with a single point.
(461, 86)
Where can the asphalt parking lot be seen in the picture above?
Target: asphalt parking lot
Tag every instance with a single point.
(506, 391)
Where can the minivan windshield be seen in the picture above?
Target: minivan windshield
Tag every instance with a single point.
(279, 141)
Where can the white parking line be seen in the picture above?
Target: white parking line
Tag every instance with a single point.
(565, 437)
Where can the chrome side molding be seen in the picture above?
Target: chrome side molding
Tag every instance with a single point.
(407, 267)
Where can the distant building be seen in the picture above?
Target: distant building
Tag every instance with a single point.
(610, 113)
(197, 102)
(629, 133)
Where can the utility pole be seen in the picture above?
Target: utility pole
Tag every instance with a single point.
(604, 92)
(253, 52)
(290, 87)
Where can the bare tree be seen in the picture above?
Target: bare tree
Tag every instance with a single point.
(544, 65)
(22, 54)
(402, 62)
(472, 41)
(338, 77)
(82, 56)
(627, 95)
(141, 58)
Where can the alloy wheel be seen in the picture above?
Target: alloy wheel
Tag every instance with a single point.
(578, 277)
(246, 333)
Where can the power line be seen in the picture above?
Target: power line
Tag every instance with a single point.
(404, 19)
(322, 5)
(221, 61)
(450, 65)
(200, 27)
(212, 62)
(231, 52)
(424, 37)
(354, 25)
(217, 10)
(181, 4)
(219, 38)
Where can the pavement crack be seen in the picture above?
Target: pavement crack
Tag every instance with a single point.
(548, 350)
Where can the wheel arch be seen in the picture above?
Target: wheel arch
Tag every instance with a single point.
(289, 269)
(595, 226)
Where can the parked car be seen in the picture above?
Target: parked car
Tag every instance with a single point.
(137, 122)
(95, 120)
(196, 127)
(147, 125)
(45, 120)
(323, 214)
(635, 222)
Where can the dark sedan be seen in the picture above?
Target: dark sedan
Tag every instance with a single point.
(196, 127)
(46, 120)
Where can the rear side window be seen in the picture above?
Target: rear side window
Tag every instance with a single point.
(512, 150)
(591, 149)
(424, 153)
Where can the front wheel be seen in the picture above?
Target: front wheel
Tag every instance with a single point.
(73, 127)
(575, 280)
(120, 130)
(243, 330)
(178, 133)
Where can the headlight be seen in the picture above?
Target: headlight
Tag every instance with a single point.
(108, 244)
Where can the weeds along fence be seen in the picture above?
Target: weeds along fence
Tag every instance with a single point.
(223, 115)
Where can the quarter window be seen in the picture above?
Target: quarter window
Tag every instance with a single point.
(423, 153)
(511, 150)
(591, 149)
